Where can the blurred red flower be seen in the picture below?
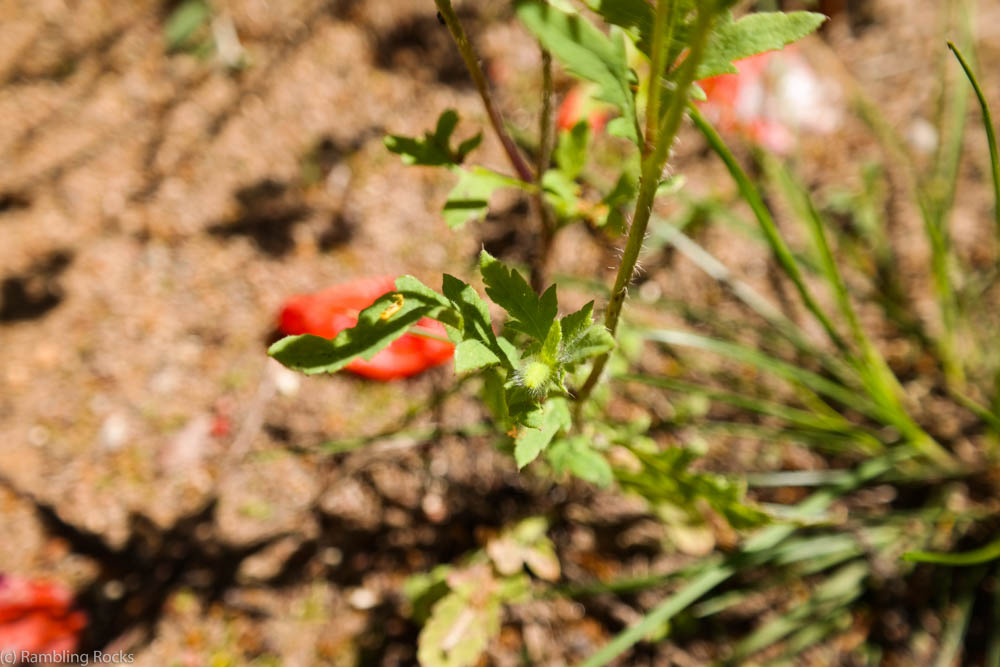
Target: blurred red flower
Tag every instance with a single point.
(736, 103)
(336, 308)
(578, 104)
(774, 95)
(37, 617)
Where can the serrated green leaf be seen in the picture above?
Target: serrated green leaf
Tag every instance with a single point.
(467, 147)
(576, 323)
(581, 338)
(636, 18)
(408, 285)
(754, 33)
(530, 314)
(586, 52)
(530, 442)
(549, 353)
(458, 630)
(472, 355)
(576, 456)
(571, 151)
(666, 479)
(476, 323)
(633, 16)
(470, 198)
(435, 148)
(313, 354)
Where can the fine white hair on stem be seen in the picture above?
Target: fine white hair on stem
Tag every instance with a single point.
(638, 270)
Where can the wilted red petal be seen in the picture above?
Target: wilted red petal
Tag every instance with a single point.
(336, 308)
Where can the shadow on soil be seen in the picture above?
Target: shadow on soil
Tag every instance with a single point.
(36, 291)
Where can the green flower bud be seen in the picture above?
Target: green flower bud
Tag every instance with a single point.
(536, 375)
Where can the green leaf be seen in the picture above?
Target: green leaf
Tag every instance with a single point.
(458, 630)
(571, 151)
(530, 314)
(476, 323)
(561, 192)
(574, 324)
(472, 355)
(575, 455)
(525, 544)
(665, 478)
(495, 397)
(470, 198)
(984, 554)
(582, 339)
(514, 589)
(184, 22)
(434, 149)
(424, 589)
(408, 285)
(586, 52)
(594, 342)
(531, 442)
(509, 350)
(633, 16)
(754, 33)
(522, 405)
(550, 347)
(313, 354)
(467, 147)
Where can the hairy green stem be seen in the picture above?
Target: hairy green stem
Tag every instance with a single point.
(655, 151)
(479, 79)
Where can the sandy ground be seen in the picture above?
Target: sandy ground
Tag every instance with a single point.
(155, 210)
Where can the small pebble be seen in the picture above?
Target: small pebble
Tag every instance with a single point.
(362, 599)
(287, 382)
(113, 432)
(38, 435)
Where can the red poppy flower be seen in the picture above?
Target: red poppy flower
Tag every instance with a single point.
(578, 104)
(334, 309)
(774, 95)
(37, 617)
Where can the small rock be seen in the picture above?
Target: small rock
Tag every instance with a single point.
(353, 502)
(362, 599)
(268, 563)
(38, 435)
(189, 447)
(285, 381)
(113, 431)
(434, 507)
(922, 135)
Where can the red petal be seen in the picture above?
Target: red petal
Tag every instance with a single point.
(336, 308)
(37, 616)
